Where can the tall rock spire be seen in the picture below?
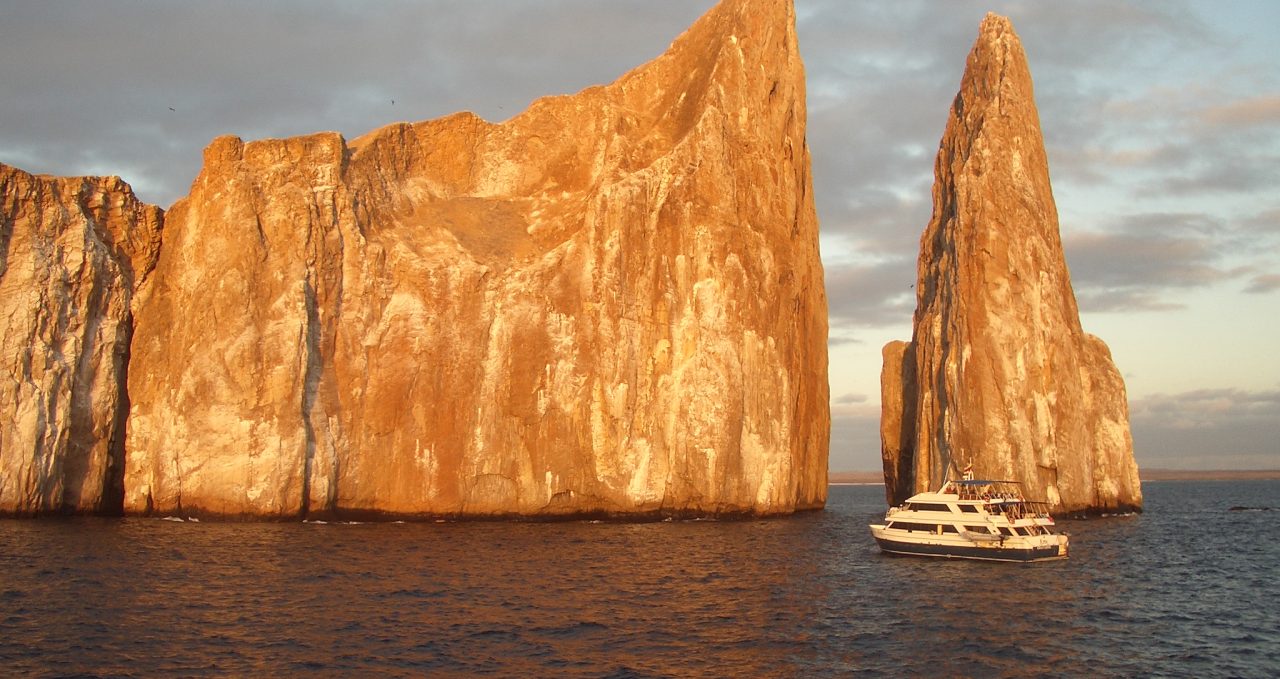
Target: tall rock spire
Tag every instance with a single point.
(999, 374)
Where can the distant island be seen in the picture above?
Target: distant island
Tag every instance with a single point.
(1209, 475)
(848, 478)
(845, 478)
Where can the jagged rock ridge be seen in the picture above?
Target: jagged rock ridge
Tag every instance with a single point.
(999, 373)
(612, 303)
(72, 251)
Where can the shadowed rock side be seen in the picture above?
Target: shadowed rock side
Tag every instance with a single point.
(999, 373)
(71, 253)
(612, 303)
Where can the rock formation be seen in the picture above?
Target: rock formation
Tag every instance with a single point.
(72, 251)
(612, 303)
(999, 373)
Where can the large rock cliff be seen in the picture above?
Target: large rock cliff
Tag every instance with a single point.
(72, 251)
(612, 303)
(999, 373)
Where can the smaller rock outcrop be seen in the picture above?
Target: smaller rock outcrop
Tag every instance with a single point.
(72, 251)
(999, 374)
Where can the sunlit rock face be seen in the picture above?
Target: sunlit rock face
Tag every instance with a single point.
(612, 303)
(72, 251)
(999, 374)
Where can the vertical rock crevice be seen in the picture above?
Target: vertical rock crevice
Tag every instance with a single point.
(113, 479)
(312, 371)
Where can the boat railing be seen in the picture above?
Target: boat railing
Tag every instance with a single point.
(1006, 494)
(989, 490)
(1038, 509)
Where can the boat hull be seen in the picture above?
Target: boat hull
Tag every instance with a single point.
(984, 553)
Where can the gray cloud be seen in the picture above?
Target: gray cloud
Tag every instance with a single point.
(1118, 300)
(1213, 428)
(871, 295)
(855, 438)
(837, 340)
(1260, 110)
(86, 87)
(1165, 142)
(1143, 261)
(1141, 255)
(1263, 284)
(1266, 222)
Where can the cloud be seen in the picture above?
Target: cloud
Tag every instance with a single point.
(841, 340)
(871, 295)
(86, 87)
(1171, 143)
(855, 437)
(1199, 140)
(1144, 260)
(1220, 171)
(1142, 255)
(1265, 222)
(1263, 284)
(1124, 300)
(1261, 110)
(1203, 407)
(1208, 429)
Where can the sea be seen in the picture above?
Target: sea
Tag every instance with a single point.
(1189, 588)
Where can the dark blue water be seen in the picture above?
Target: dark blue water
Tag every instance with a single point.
(1189, 588)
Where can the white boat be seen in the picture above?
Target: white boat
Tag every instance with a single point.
(972, 519)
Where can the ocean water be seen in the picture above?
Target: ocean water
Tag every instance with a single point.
(1190, 588)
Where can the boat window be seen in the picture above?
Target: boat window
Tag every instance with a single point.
(976, 529)
(1022, 531)
(1006, 530)
(946, 528)
(969, 509)
(928, 507)
(907, 525)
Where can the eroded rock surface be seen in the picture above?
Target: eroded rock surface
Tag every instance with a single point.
(612, 303)
(72, 251)
(999, 373)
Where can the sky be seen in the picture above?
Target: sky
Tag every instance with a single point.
(1161, 121)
